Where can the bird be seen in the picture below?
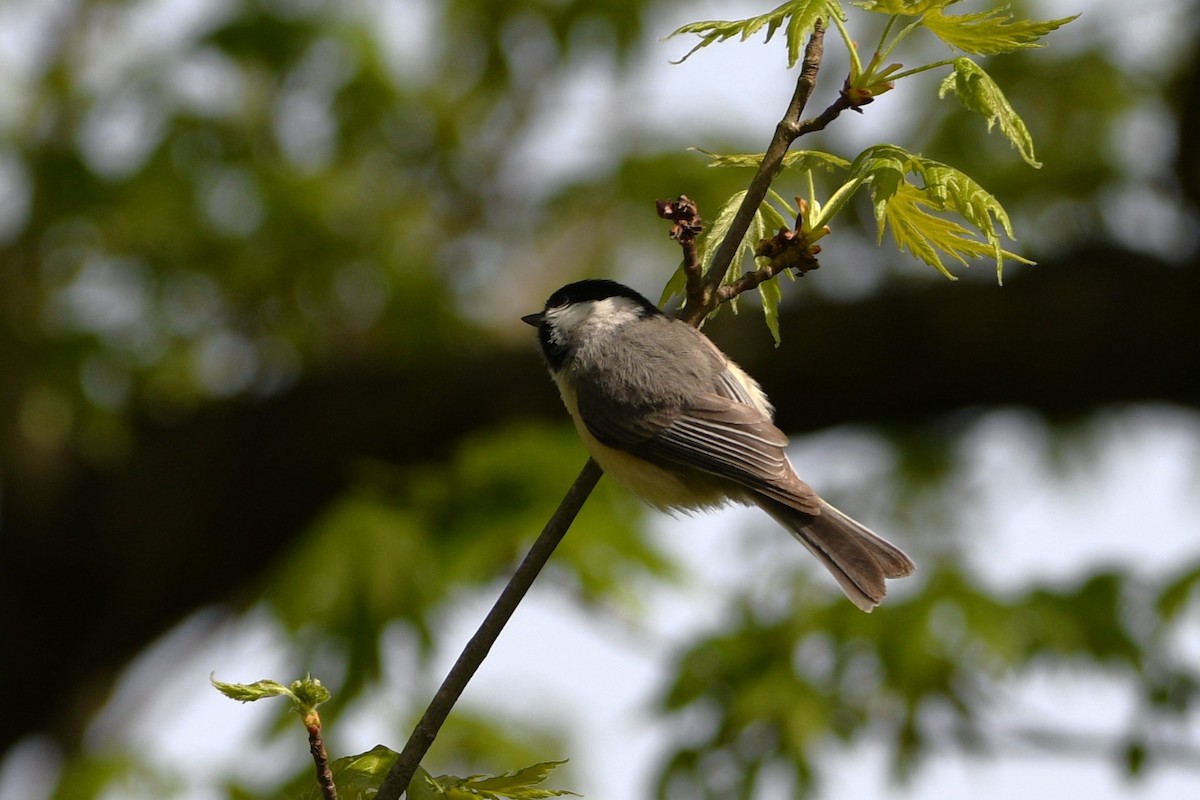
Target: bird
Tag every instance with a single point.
(667, 414)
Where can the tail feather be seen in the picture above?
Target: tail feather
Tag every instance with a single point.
(857, 558)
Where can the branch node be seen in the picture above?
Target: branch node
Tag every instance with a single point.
(688, 226)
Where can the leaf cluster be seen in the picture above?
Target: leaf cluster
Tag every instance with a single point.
(986, 33)
(921, 214)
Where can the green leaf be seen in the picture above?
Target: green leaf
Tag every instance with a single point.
(771, 293)
(800, 15)
(521, 784)
(249, 692)
(905, 8)
(923, 234)
(1175, 595)
(979, 93)
(957, 191)
(677, 284)
(306, 694)
(773, 219)
(803, 160)
(906, 207)
(356, 776)
(711, 240)
(884, 167)
(991, 32)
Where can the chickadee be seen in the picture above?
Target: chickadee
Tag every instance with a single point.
(667, 414)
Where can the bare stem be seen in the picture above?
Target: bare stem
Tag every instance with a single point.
(688, 226)
(477, 648)
(316, 745)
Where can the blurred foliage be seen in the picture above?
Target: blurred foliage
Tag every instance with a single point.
(776, 687)
(205, 205)
(405, 541)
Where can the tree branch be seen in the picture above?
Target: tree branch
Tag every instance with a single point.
(477, 648)
(706, 296)
(703, 295)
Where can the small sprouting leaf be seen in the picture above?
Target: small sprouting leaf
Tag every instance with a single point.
(979, 93)
(989, 33)
(249, 692)
(309, 691)
(801, 16)
(521, 784)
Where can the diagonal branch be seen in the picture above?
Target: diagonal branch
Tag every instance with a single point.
(477, 648)
(703, 295)
(701, 302)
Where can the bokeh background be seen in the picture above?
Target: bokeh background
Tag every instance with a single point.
(266, 408)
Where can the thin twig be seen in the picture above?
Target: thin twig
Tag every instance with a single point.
(787, 249)
(687, 228)
(751, 280)
(844, 101)
(316, 745)
(705, 299)
(477, 648)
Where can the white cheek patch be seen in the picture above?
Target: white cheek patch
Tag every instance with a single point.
(609, 313)
(565, 320)
(593, 316)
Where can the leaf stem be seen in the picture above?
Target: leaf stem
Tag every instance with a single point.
(923, 68)
(851, 48)
(885, 50)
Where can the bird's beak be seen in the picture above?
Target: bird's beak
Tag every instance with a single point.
(533, 319)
